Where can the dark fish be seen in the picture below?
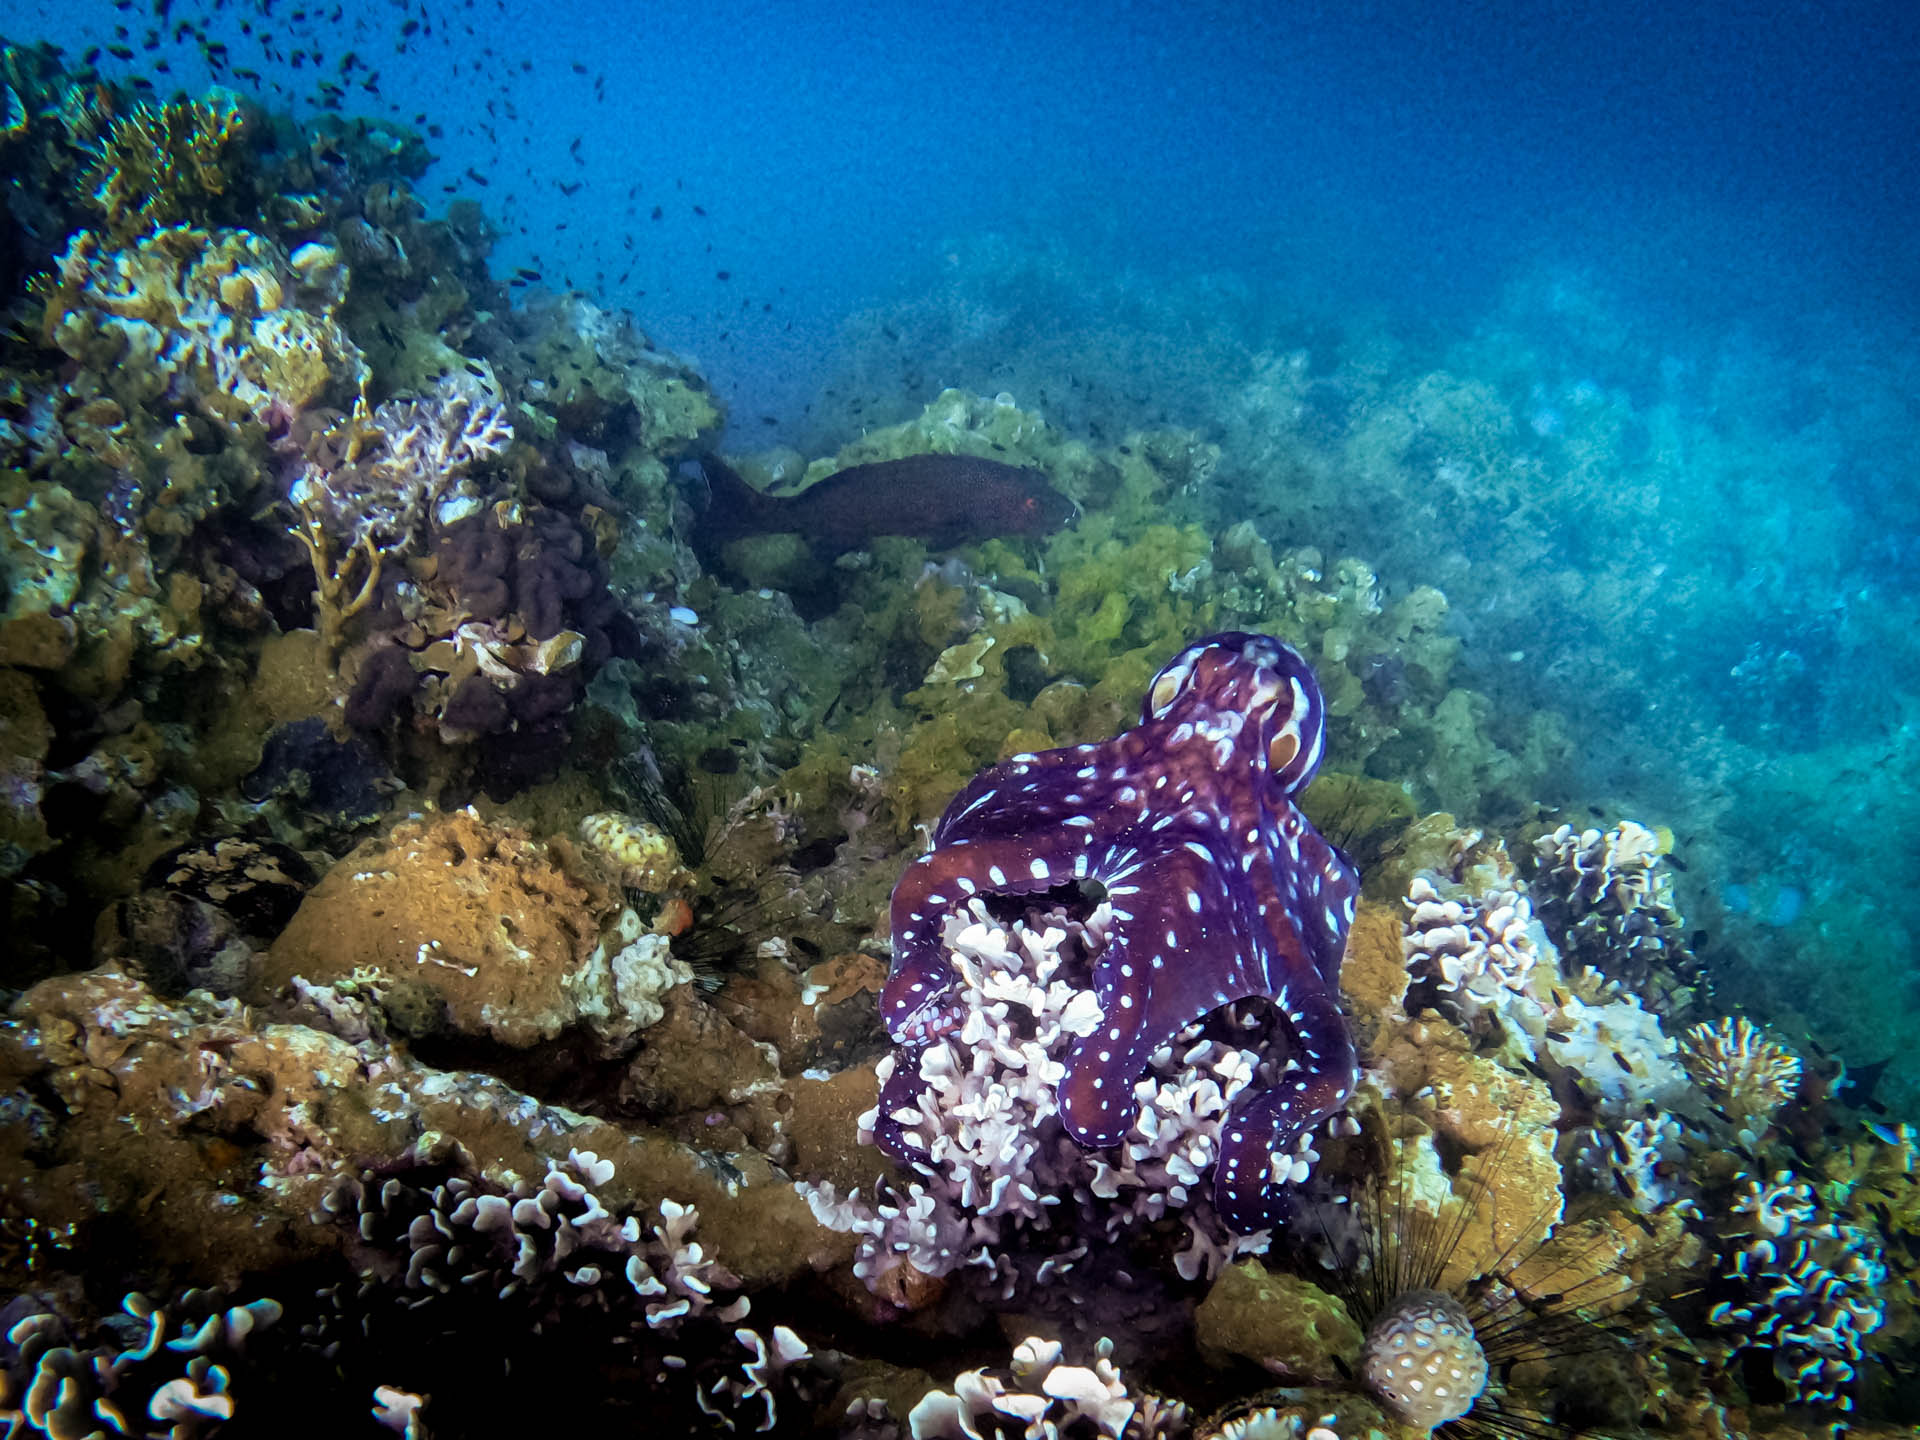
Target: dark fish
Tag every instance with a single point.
(1861, 1081)
(945, 500)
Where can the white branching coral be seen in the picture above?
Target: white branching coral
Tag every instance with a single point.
(997, 1157)
(408, 462)
(1742, 1069)
(1471, 947)
(462, 1232)
(1802, 1286)
(1042, 1399)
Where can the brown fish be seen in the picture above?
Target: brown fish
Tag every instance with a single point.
(945, 500)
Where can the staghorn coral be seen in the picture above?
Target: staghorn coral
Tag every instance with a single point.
(1745, 1071)
(405, 463)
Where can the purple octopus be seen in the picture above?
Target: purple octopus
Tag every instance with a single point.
(1221, 891)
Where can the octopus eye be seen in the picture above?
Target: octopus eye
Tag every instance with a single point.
(1164, 689)
(1282, 749)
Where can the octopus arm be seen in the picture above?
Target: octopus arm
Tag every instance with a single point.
(917, 1003)
(1264, 1126)
(1176, 952)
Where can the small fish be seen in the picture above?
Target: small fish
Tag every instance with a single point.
(1621, 1061)
(475, 176)
(723, 274)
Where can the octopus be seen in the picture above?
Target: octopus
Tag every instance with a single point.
(1221, 891)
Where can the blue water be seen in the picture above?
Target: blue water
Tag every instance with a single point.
(1704, 164)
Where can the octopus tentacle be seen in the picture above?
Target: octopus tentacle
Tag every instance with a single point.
(916, 1004)
(1265, 1124)
(1174, 955)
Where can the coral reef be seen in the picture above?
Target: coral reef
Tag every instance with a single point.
(474, 929)
(1045, 1398)
(1746, 1072)
(1612, 900)
(1807, 1291)
(434, 889)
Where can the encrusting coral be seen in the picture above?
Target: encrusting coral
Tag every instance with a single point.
(482, 932)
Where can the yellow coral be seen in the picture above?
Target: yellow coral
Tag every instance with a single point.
(156, 163)
(644, 854)
(1744, 1070)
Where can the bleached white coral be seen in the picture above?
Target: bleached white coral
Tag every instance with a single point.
(997, 1157)
(1047, 1399)
(411, 463)
(1471, 947)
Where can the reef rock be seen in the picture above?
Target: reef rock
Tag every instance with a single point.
(1289, 1325)
(475, 928)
